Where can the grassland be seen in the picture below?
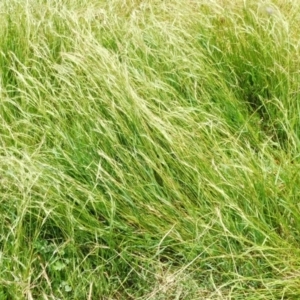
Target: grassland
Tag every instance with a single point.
(149, 149)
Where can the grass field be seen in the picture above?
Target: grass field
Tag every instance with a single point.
(149, 149)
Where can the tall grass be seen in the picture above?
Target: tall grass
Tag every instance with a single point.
(149, 149)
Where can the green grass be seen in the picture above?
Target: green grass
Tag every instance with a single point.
(149, 149)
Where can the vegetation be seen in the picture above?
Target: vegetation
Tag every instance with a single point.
(149, 149)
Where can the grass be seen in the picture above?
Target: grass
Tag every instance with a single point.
(149, 149)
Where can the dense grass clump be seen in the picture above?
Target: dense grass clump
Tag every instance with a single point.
(149, 149)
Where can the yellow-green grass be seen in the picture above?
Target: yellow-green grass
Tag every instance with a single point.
(149, 149)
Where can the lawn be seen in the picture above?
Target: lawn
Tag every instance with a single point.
(149, 149)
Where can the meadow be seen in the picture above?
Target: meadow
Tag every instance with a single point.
(149, 149)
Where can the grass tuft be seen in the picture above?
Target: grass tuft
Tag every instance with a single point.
(149, 150)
